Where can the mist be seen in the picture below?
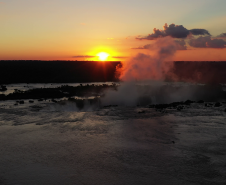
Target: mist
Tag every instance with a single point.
(152, 66)
(144, 80)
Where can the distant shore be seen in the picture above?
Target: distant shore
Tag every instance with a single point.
(35, 71)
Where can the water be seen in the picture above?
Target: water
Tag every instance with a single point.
(53, 143)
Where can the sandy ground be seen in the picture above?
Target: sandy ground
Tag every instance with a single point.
(46, 143)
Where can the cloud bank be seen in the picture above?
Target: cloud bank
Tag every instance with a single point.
(175, 31)
(207, 42)
(179, 33)
(223, 35)
(179, 44)
(83, 56)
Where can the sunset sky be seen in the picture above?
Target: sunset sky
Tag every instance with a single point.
(79, 30)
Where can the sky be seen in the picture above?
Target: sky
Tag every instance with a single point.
(79, 30)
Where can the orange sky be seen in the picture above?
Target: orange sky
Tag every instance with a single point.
(78, 30)
(206, 54)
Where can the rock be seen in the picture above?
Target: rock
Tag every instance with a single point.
(16, 104)
(151, 106)
(54, 101)
(142, 111)
(70, 99)
(3, 88)
(31, 101)
(162, 106)
(200, 101)
(207, 105)
(217, 104)
(108, 106)
(21, 102)
(224, 110)
(188, 102)
(179, 108)
(175, 104)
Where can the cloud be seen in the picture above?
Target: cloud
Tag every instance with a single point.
(179, 44)
(175, 31)
(207, 42)
(119, 57)
(223, 35)
(83, 56)
(147, 46)
(199, 32)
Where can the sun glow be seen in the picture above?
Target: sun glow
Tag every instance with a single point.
(103, 56)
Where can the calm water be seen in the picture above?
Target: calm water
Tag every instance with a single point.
(53, 143)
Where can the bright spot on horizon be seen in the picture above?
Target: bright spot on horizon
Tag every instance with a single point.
(103, 56)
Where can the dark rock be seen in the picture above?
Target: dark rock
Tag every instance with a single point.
(21, 102)
(16, 104)
(31, 101)
(200, 101)
(217, 104)
(151, 106)
(142, 111)
(71, 99)
(2, 96)
(107, 106)
(54, 101)
(3, 88)
(162, 106)
(175, 104)
(179, 108)
(188, 102)
(207, 105)
(224, 110)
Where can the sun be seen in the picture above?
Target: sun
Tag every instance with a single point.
(103, 56)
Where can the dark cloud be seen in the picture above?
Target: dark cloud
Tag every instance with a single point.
(179, 44)
(207, 42)
(148, 46)
(223, 35)
(83, 56)
(199, 32)
(175, 31)
(119, 57)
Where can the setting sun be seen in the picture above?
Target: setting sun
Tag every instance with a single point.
(103, 56)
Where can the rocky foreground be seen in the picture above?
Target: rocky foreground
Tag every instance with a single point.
(213, 96)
